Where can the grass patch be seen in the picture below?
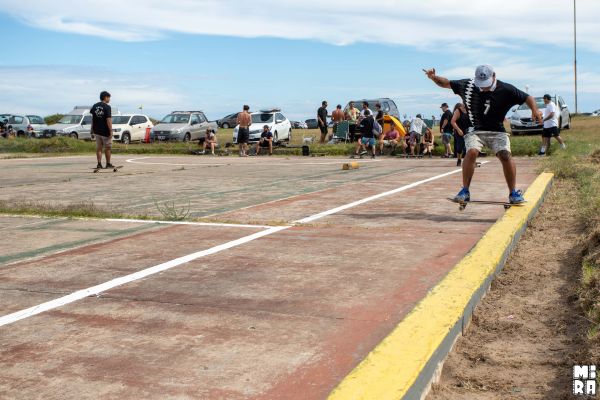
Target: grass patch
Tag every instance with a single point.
(47, 209)
(580, 164)
(22, 147)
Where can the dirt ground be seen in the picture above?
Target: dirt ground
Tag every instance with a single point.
(529, 331)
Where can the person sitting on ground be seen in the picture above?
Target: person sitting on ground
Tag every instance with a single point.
(416, 130)
(266, 141)
(428, 142)
(30, 132)
(210, 140)
(391, 138)
(3, 132)
(367, 138)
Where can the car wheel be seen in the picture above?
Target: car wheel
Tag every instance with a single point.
(20, 134)
(74, 135)
(568, 126)
(187, 137)
(225, 125)
(126, 138)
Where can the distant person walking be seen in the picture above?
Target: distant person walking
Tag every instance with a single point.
(352, 115)
(551, 129)
(446, 130)
(487, 100)
(244, 120)
(322, 120)
(461, 124)
(337, 116)
(102, 128)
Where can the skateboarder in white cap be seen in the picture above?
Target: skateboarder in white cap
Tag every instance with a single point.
(487, 101)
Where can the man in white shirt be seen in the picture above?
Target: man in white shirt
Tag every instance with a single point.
(416, 130)
(365, 107)
(550, 119)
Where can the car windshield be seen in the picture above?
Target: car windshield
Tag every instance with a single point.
(262, 118)
(70, 119)
(34, 119)
(538, 100)
(120, 119)
(176, 119)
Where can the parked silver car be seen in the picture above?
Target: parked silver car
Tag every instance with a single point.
(20, 123)
(76, 124)
(521, 122)
(183, 126)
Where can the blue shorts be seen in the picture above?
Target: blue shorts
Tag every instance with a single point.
(367, 141)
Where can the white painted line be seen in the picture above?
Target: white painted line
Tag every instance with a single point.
(95, 290)
(246, 161)
(226, 225)
(375, 197)
(368, 199)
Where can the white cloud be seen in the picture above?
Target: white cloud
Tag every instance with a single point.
(47, 89)
(470, 26)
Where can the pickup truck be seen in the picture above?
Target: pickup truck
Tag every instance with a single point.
(183, 126)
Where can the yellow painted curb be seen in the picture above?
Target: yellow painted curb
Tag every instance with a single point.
(403, 364)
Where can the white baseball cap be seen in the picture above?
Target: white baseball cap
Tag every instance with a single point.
(484, 76)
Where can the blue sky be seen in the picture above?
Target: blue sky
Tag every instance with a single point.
(217, 55)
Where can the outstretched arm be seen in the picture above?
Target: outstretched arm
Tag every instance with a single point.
(535, 112)
(439, 80)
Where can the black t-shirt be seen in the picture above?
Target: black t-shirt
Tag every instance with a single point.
(447, 116)
(266, 135)
(379, 117)
(487, 110)
(322, 113)
(100, 112)
(463, 122)
(366, 127)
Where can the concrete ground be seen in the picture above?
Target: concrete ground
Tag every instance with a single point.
(230, 309)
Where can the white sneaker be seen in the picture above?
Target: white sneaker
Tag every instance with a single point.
(563, 146)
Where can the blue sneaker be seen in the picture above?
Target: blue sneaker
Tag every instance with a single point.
(516, 197)
(463, 196)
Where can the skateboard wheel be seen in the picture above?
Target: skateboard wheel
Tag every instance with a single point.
(506, 206)
(462, 207)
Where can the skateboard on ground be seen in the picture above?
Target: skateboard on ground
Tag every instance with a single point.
(506, 205)
(114, 169)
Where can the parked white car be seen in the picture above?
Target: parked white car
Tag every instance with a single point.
(129, 128)
(521, 122)
(278, 124)
(596, 113)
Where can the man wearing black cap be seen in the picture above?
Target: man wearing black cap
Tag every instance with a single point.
(446, 129)
(550, 129)
(102, 128)
(487, 100)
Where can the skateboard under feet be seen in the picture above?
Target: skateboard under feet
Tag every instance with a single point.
(463, 204)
